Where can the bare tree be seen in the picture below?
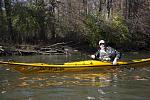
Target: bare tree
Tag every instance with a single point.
(8, 9)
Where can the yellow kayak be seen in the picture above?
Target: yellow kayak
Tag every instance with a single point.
(88, 65)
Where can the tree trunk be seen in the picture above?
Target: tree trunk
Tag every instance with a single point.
(109, 6)
(0, 7)
(1, 14)
(100, 6)
(9, 19)
(42, 21)
(85, 5)
(52, 27)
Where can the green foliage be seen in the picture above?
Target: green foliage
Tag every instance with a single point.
(24, 22)
(29, 21)
(93, 25)
(114, 30)
(42, 20)
(120, 30)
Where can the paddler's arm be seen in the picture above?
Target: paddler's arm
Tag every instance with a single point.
(96, 55)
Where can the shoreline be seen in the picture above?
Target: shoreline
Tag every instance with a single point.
(56, 48)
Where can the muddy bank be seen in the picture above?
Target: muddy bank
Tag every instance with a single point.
(60, 48)
(49, 49)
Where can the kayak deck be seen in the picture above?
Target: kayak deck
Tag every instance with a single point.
(70, 66)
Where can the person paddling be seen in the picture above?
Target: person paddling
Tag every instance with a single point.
(106, 53)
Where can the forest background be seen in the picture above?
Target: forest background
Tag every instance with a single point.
(124, 24)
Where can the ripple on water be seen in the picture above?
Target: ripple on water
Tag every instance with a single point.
(116, 84)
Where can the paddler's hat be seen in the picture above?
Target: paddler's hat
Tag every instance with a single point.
(101, 42)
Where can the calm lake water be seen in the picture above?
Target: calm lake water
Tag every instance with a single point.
(115, 84)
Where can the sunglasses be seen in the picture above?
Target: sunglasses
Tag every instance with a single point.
(101, 43)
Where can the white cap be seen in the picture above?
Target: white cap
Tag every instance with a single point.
(101, 41)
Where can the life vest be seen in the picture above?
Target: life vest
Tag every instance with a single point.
(107, 54)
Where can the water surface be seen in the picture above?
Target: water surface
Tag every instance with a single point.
(115, 84)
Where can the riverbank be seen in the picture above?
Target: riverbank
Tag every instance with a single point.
(48, 49)
(53, 49)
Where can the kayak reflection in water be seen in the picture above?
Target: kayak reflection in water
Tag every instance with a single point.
(106, 53)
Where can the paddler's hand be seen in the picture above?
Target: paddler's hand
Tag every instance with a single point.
(115, 61)
(93, 56)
